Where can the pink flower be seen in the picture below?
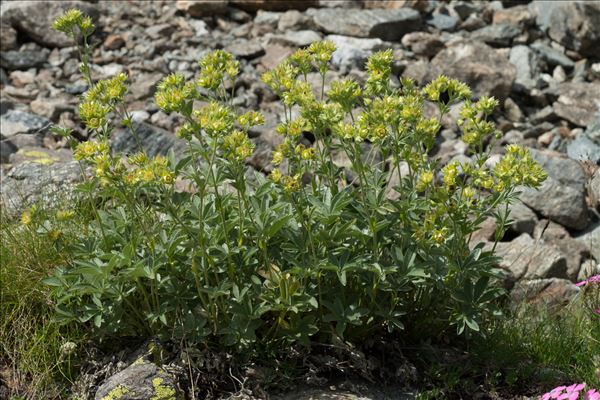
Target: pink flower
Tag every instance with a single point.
(591, 395)
(591, 279)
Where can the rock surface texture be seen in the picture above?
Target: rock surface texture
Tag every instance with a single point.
(540, 58)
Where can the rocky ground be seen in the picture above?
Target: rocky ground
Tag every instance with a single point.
(539, 58)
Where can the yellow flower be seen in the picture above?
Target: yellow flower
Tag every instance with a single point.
(27, 217)
(424, 181)
(277, 157)
(275, 175)
(291, 183)
(64, 215)
(54, 234)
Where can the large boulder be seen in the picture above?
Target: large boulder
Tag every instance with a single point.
(576, 25)
(487, 71)
(561, 198)
(35, 18)
(388, 25)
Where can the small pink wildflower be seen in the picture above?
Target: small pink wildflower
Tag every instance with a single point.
(571, 393)
(591, 279)
(591, 395)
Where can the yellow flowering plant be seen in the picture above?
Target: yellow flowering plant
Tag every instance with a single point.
(311, 249)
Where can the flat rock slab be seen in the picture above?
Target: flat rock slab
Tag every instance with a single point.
(31, 182)
(526, 258)
(388, 25)
(139, 381)
(550, 291)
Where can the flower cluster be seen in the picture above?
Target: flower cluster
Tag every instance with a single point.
(237, 146)
(250, 119)
(72, 19)
(173, 93)
(571, 393)
(215, 119)
(90, 150)
(215, 67)
(101, 99)
(475, 127)
(379, 68)
(446, 90)
(321, 53)
(155, 170)
(517, 167)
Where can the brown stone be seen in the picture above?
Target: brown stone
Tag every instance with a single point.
(517, 16)
(114, 41)
(202, 8)
(274, 55)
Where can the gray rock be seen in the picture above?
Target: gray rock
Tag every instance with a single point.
(465, 8)
(160, 31)
(478, 65)
(31, 182)
(546, 114)
(296, 38)
(267, 18)
(140, 381)
(473, 23)
(551, 55)
(19, 122)
(583, 148)
(24, 59)
(576, 25)
(50, 108)
(144, 84)
(248, 49)
(542, 11)
(524, 258)
(527, 65)
(593, 129)
(594, 190)
(35, 19)
(499, 35)
(588, 268)
(592, 239)
(154, 141)
(294, 20)
(561, 197)
(423, 43)
(3, 77)
(577, 102)
(353, 52)
(556, 235)
(6, 149)
(8, 37)
(388, 25)
(443, 22)
(524, 218)
(548, 291)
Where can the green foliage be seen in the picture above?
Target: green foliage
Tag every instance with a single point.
(37, 358)
(315, 252)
